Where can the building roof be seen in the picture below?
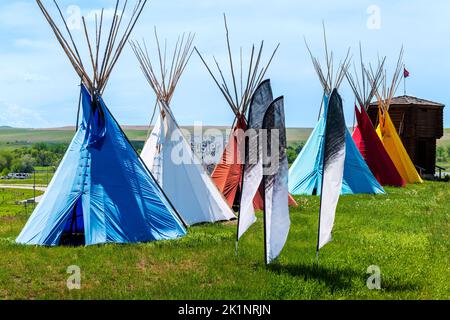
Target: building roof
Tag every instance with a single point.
(411, 101)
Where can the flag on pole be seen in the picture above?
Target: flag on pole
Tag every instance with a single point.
(253, 171)
(333, 167)
(277, 221)
(266, 167)
(405, 73)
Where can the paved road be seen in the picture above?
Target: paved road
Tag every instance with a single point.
(24, 187)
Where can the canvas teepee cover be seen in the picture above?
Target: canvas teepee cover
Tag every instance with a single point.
(101, 190)
(386, 129)
(227, 175)
(101, 175)
(394, 146)
(373, 151)
(305, 175)
(167, 152)
(364, 135)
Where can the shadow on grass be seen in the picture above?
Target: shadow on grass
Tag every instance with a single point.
(334, 278)
(398, 285)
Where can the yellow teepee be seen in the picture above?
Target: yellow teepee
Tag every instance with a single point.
(394, 147)
(388, 133)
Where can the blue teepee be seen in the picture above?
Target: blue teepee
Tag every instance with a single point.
(101, 190)
(305, 175)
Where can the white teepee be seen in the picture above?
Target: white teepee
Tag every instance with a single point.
(168, 154)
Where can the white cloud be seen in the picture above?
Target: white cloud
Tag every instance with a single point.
(14, 115)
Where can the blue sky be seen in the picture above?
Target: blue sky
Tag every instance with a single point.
(39, 86)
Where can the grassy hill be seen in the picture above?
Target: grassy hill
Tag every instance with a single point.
(15, 138)
(12, 138)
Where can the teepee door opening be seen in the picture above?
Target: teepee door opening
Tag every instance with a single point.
(73, 234)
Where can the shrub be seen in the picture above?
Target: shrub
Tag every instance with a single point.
(293, 151)
(441, 155)
(23, 165)
(5, 160)
(5, 172)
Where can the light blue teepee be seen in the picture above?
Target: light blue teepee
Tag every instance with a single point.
(101, 190)
(305, 175)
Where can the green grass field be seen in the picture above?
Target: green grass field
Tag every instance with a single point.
(11, 138)
(8, 209)
(405, 233)
(41, 179)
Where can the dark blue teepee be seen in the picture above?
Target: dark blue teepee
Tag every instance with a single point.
(102, 190)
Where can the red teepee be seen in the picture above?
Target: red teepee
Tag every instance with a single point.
(373, 151)
(228, 173)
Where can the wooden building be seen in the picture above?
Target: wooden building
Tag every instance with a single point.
(419, 123)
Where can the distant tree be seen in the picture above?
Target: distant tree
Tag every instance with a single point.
(59, 148)
(441, 154)
(5, 160)
(40, 146)
(45, 155)
(5, 172)
(23, 165)
(24, 159)
(138, 145)
(3, 163)
(299, 147)
(448, 151)
(293, 151)
(291, 155)
(44, 158)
